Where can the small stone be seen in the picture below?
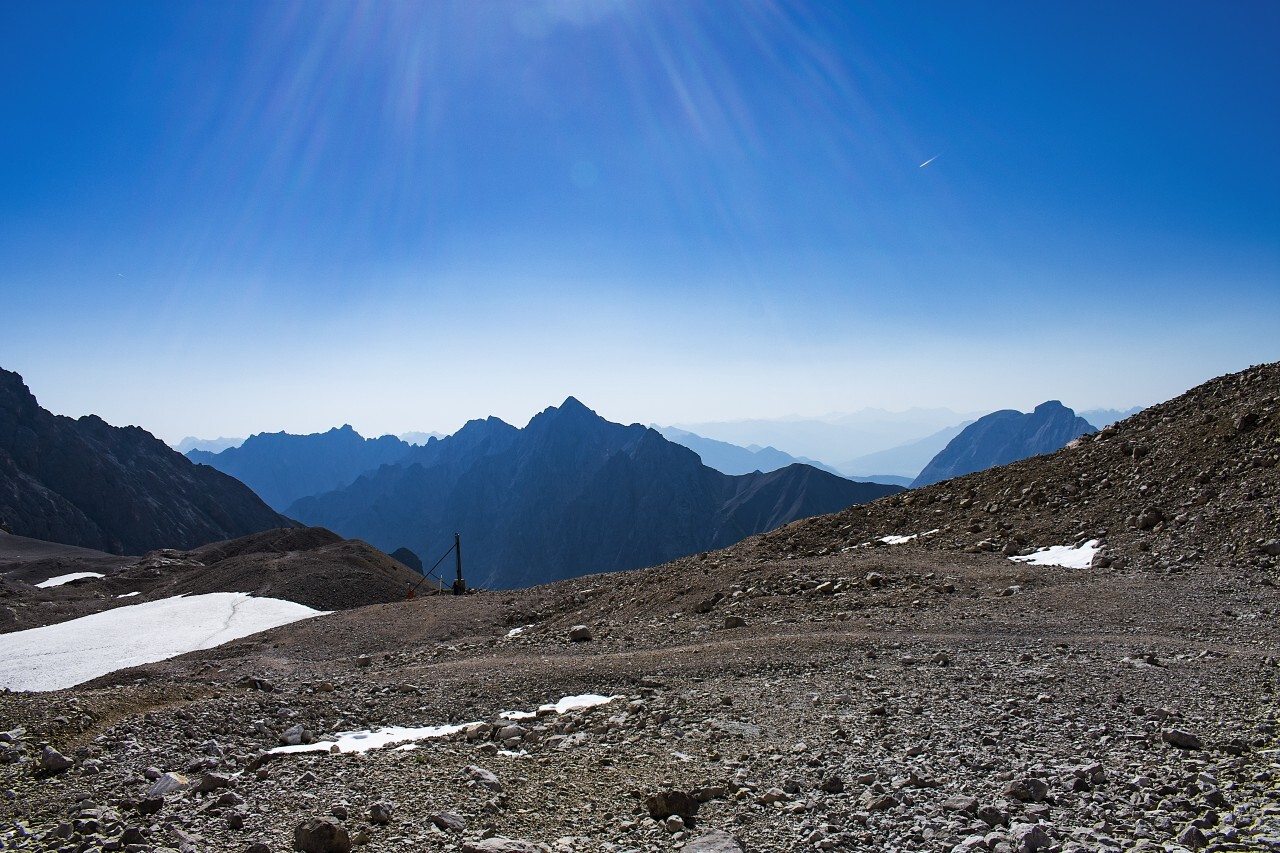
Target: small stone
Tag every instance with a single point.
(1192, 837)
(498, 844)
(213, 781)
(380, 813)
(832, 784)
(1181, 739)
(480, 776)
(150, 805)
(773, 795)
(993, 816)
(448, 821)
(715, 841)
(53, 761)
(883, 802)
(512, 731)
(167, 784)
(673, 824)
(291, 736)
(667, 803)
(961, 803)
(580, 634)
(321, 835)
(1029, 790)
(1029, 838)
(734, 622)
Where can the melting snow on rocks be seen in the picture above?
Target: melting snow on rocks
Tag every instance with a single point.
(66, 654)
(61, 579)
(367, 739)
(1063, 555)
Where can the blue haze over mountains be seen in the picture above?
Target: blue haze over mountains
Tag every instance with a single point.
(1003, 437)
(569, 494)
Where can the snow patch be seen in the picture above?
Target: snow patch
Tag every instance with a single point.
(1063, 555)
(128, 594)
(64, 655)
(61, 579)
(893, 539)
(568, 703)
(367, 739)
(516, 632)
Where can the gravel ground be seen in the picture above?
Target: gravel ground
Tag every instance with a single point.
(803, 690)
(912, 704)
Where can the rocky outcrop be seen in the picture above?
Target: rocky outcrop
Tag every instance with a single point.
(117, 489)
(1003, 437)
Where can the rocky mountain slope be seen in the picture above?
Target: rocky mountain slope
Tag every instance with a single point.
(117, 489)
(1003, 437)
(1189, 482)
(281, 468)
(801, 690)
(569, 494)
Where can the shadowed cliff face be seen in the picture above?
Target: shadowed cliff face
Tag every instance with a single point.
(569, 494)
(117, 489)
(1003, 437)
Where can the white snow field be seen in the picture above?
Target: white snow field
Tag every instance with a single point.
(66, 654)
(61, 579)
(1062, 555)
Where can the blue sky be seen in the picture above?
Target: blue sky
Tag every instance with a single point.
(225, 218)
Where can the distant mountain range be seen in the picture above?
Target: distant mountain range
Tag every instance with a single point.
(571, 493)
(213, 445)
(834, 437)
(117, 489)
(1106, 417)
(282, 467)
(419, 437)
(1003, 437)
(904, 461)
(732, 459)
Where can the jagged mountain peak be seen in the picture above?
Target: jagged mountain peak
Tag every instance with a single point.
(571, 409)
(85, 482)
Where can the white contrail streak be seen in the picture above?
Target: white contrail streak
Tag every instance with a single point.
(930, 160)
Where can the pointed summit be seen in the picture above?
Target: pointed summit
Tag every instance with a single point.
(571, 411)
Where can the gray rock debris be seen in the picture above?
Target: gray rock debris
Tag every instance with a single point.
(716, 841)
(503, 845)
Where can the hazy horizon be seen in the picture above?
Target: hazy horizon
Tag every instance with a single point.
(221, 219)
